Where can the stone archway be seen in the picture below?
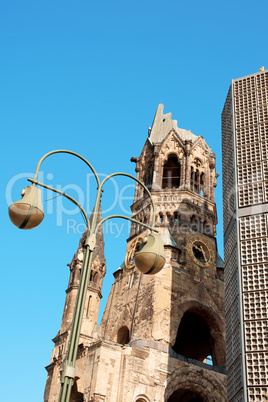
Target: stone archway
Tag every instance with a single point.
(214, 342)
(193, 337)
(192, 384)
(184, 395)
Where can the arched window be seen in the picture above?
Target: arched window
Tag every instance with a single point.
(197, 181)
(176, 217)
(171, 173)
(169, 218)
(123, 335)
(161, 218)
(193, 337)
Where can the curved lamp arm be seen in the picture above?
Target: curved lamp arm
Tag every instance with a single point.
(97, 203)
(127, 218)
(65, 195)
(151, 255)
(64, 151)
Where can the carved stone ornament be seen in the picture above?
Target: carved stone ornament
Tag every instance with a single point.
(197, 162)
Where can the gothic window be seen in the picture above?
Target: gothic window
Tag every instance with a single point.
(161, 218)
(123, 335)
(197, 181)
(171, 173)
(193, 337)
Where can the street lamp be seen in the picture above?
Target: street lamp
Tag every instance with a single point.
(28, 213)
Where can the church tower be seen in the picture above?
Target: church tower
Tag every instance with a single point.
(180, 310)
(162, 336)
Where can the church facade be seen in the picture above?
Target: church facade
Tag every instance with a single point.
(162, 336)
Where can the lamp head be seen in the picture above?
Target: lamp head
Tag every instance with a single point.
(28, 212)
(150, 259)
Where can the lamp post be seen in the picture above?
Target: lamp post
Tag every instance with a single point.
(28, 213)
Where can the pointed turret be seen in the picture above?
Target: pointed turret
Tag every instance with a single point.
(93, 296)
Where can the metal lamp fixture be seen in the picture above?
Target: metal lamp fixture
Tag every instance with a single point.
(28, 212)
(150, 258)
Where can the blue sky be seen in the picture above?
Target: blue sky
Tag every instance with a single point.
(88, 76)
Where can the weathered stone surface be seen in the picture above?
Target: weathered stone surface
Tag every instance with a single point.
(156, 331)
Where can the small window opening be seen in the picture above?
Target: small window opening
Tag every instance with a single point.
(123, 335)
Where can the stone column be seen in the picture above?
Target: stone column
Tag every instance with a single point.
(157, 179)
(188, 164)
(212, 178)
(183, 172)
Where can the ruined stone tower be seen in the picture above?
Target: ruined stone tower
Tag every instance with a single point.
(162, 337)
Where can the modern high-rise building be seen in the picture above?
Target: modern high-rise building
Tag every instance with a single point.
(245, 212)
(162, 336)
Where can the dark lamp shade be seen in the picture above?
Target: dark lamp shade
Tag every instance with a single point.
(28, 212)
(150, 259)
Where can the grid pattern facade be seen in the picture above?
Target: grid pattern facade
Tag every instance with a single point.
(245, 184)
